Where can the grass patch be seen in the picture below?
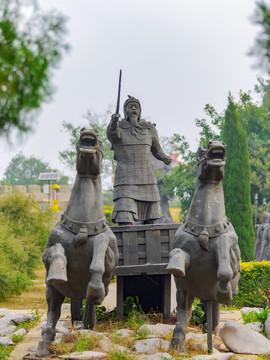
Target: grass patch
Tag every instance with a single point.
(5, 351)
(32, 298)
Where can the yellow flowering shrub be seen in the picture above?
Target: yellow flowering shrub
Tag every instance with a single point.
(108, 210)
(254, 285)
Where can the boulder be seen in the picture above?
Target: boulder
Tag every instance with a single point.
(6, 330)
(4, 340)
(246, 310)
(20, 332)
(4, 312)
(6, 319)
(20, 318)
(213, 357)
(150, 346)
(124, 332)
(65, 337)
(243, 340)
(106, 345)
(61, 327)
(84, 355)
(196, 342)
(91, 332)
(256, 326)
(156, 330)
(267, 326)
(157, 356)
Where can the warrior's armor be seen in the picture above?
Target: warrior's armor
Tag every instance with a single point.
(135, 177)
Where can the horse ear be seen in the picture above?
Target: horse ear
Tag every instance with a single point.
(199, 153)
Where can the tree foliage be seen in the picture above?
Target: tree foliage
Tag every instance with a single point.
(21, 246)
(94, 121)
(261, 48)
(182, 179)
(237, 180)
(25, 171)
(254, 118)
(31, 45)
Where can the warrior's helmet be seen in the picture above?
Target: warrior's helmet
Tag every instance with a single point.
(129, 100)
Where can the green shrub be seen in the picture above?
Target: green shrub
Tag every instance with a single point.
(24, 230)
(108, 210)
(254, 285)
(198, 314)
(254, 316)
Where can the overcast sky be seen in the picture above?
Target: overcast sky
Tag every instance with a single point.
(176, 56)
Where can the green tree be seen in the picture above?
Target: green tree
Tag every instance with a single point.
(94, 121)
(182, 179)
(254, 118)
(261, 48)
(25, 171)
(30, 47)
(237, 180)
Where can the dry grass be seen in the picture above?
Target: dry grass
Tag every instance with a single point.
(33, 298)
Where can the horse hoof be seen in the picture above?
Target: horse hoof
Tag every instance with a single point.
(95, 294)
(44, 348)
(175, 345)
(223, 293)
(57, 272)
(176, 271)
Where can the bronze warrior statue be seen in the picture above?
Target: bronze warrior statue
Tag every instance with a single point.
(133, 139)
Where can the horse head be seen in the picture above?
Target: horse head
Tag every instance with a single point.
(211, 161)
(89, 153)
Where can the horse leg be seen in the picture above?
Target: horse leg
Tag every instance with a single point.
(184, 303)
(95, 289)
(223, 289)
(56, 264)
(215, 315)
(54, 301)
(178, 262)
(109, 269)
(89, 316)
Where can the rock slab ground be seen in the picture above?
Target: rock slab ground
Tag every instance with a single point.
(244, 340)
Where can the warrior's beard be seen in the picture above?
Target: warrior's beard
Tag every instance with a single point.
(134, 119)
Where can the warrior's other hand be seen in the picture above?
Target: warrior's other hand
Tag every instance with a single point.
(167, 160)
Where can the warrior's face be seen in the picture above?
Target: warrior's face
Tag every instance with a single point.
(133, 110)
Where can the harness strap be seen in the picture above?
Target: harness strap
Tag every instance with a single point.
(213, 230)
(93, 228)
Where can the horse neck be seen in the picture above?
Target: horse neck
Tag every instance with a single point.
(86, 201)
(207, 206)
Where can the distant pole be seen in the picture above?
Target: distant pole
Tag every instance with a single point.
(263, 206)
(49, 194)
(256, 207)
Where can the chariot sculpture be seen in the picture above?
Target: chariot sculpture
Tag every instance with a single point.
(81, 252)
(205, 255)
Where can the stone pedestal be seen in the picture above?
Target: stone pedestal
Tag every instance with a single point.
(143, 257)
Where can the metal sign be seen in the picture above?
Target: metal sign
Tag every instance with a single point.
(48, 176)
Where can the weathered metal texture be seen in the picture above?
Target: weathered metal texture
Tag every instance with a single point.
(262, 243)
(81, 252)
(143, 257)
(205, 255)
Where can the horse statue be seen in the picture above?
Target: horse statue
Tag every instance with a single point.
(262, 243)
(205, 255)
(81, 252)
